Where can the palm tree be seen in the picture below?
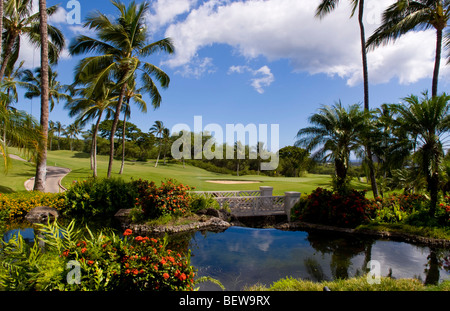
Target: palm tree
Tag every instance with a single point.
(427, 121)
(20, 130)
(90, 108)
(325, 7)
(33, 86)
(158, 129)
(41, 157)
(131, 93)
(59, 128)
(166, 139)
(336, 132)
(72, 131)
(406, 15)
(121, 45)
(19, 20)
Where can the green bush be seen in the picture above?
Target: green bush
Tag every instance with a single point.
(98, 198)
(199, 202)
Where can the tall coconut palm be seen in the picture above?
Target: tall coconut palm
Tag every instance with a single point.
(427, 120)
(19, 20)
(131, 93)
(121, 46)
(158, 130)
(327, 6)
(59, 128)
(32, 84)
(335, 131)
(166, 140)
(406, 15)
(41, 157)
(91, 108)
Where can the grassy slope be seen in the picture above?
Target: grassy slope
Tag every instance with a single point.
(195, 177)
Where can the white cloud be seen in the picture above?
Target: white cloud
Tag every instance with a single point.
(196, 68)
(287, 29)
(165, 11)
(263, 76)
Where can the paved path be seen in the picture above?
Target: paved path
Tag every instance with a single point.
(53, 181)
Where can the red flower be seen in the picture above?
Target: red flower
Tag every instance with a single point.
(83, 250)
(128, 232)
(166, 276)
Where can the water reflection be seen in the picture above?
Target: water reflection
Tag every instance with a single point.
(244, 256)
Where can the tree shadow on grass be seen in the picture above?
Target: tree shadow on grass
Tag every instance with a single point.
(81, 155)
(4, 189)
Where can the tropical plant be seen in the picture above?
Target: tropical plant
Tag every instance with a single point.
(325, 7)
(158, 130)
(336, 132)
(404, 16)
(56, 91)
(131, 93)
(41, 155)
(19, 130)
(18, 21)
(72, 131)
(121, 45)
(88, 107)
(427, 121)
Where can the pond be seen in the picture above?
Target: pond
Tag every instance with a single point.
(244, 256)
(240, 256)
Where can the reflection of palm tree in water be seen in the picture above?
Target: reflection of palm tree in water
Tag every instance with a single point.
(342, 249)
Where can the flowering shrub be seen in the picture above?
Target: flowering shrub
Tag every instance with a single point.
(397, 207)
(17, 205)
(171, 198)
(103, 261)
(132, 263)
(323, 206)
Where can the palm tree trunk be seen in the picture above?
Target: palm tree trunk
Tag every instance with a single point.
(123, 142)
(8, 49)
(437, 63)
(41, 161)
(372, 176)
(94, 145)
(1, 25)
(114, 127)
(159, 152)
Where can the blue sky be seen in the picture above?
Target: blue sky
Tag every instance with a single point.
(260, 62)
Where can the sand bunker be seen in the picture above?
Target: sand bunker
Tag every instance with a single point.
(232, 182)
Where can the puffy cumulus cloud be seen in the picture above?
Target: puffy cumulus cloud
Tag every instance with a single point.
(165, 11)
(288, 29)
(263, 76)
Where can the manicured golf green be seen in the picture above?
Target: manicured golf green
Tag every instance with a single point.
(79, 163)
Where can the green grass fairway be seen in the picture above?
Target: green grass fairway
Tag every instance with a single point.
(79, 163)
(18, 173)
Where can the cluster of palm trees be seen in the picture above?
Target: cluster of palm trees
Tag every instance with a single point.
(398, 19)
(106, 80)
(337, 129)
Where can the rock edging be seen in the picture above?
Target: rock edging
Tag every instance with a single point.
(213, 223)
(392, 235)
